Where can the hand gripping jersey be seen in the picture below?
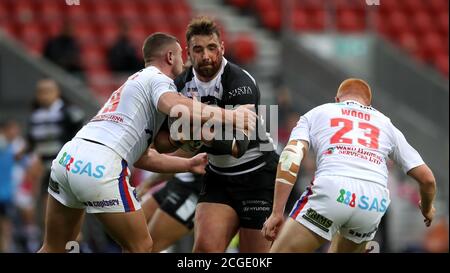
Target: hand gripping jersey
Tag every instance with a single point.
(353, 140)
(129, 120)
(231, 86)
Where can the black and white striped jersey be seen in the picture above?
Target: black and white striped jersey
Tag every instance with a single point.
(231, 86)
(50, 128)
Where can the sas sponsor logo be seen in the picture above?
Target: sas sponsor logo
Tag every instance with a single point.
(102, 203)
(363, 202)
(318, 220)
(80, 167)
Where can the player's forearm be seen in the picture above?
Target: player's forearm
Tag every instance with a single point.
(197, 111)
(182, 153)
(427, 184)
(427, 194)
(281, 196)
(161, 163)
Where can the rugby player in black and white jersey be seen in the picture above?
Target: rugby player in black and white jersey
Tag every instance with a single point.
(237, 190)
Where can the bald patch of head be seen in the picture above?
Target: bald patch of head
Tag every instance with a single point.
(356, 89)
(156, 46)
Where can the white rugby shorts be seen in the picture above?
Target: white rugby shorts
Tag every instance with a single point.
(92, 176)
(352, 207)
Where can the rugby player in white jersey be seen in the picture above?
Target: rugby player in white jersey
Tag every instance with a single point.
(349, 194)
(91, 171)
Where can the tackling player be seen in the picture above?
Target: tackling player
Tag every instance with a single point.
(348, 196)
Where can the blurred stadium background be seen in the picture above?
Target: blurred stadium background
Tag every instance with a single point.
(298, 51)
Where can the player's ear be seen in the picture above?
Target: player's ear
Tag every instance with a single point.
(336, 99)
(188, 52)
(222, 45)
(170, 57)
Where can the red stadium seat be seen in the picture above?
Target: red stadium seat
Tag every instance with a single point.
(93, 57)
(4, 14)
(413, 6)
(137, 35)
(52, 28)
(33, 38)
(442, 22)
(300, 20)
(432, 44)
(9, 29)
(263, 6)
(318, 20)
(104, 12)
(441, 63)
(349, 20)
(76, 14)
(243, 48)
(355, 5)
(398, 23)
(22, 11)
(108, 34)
(390, 6)
(50, 11)
(85, 33)
(272, 19)
(437, 6)
(422, 22)
(409, 42)
(127, 11)
(311, 5)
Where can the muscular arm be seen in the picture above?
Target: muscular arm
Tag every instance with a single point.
(427, 184)
(153, 161)
(201, 111)
(287, 171)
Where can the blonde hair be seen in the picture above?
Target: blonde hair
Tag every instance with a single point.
(355, 88)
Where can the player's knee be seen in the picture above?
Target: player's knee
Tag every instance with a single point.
(160, 245)
(203, 245)
(142, 246)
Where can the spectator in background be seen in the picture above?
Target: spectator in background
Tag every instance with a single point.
(284, 102)
(52, 123)
(122, 56)
(64, 51)
(8, 131)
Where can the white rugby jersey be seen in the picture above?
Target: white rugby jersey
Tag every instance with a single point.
(354, 140)
(129, 120)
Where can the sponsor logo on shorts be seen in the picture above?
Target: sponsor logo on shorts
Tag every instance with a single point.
(135, 195)
(363, 202)
(318, 220)
(362, 235)
(256, 205)
(80, 167)
(53, 185)
(102, 203)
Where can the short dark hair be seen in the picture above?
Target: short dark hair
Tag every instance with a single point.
(201, 26)
(154, 43)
